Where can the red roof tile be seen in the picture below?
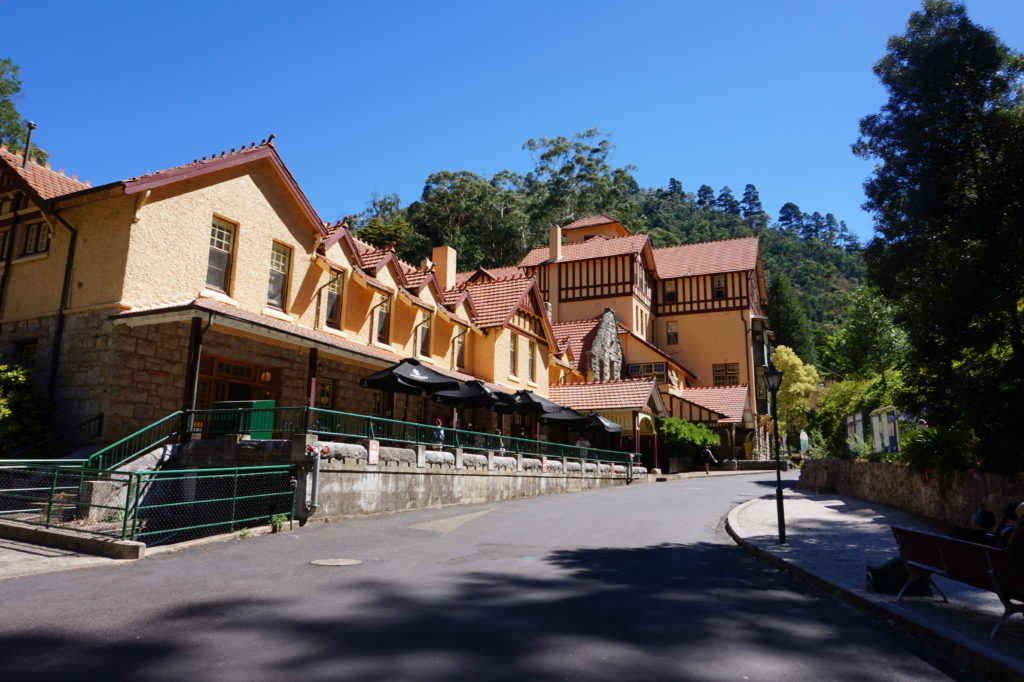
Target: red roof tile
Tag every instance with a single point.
(495, 301)
(598, 247)
(578, 335)
(620, 394)
(729, 401)
(705, 258)
(592, 221)
(504, 272)
(46, 182)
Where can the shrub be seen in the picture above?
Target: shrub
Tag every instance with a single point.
(24, 410)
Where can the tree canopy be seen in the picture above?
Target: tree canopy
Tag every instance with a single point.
(948, 199)
(13, 128)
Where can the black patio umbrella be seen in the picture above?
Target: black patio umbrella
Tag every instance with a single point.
(472, 393)
(526, 402)
(409, 376)
(596, 422)
(565, 417)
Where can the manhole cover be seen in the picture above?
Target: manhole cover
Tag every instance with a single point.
(335, 562)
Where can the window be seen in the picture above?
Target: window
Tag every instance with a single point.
(460, 351)
(726, 374)
(762, 387)
(513, 354)
(384, 320)
(531, 361)
(718, 286)
(37, 238)
(28, 352)
(280, 264)
(672, 333)
(5, 244)
(648, 369)
(222, 244)
(670, 291)
(325, 393)
(424, 335)
(334, 289)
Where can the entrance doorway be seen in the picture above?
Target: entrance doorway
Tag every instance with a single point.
(223, 379)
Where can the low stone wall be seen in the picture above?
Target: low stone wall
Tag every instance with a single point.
(949, 498)
(405, 478)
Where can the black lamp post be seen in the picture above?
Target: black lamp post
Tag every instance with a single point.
(773, 377)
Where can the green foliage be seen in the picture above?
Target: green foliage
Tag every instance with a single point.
(676, 431)
(799, 387)
(842, 398)
(868, 342)
(277, 522)
(12, 126)
(244, 534)
(789, 318)
(949, 152)
(938, 450)
(24, 410)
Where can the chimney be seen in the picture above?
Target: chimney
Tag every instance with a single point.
(555, 242)
(444, 265)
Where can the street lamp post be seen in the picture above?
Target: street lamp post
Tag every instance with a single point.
(773, 377)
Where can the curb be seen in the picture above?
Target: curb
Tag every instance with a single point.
(979, 661)
(76, 542)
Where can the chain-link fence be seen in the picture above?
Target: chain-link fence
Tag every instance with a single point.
(156, 507)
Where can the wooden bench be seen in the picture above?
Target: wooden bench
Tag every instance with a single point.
(981, 566)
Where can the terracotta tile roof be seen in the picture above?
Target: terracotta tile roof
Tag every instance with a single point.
(620, 394)
(45, 181)
(729, 401)
(504, 272)
(415, 279)
(591, 221)
(494, 301)
(372, 258)
(453, 297)
(224, 158)
(598, 247)
(705, 258)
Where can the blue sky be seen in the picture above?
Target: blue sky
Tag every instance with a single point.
(373, 97)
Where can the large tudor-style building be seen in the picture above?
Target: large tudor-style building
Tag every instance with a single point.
(217, 281)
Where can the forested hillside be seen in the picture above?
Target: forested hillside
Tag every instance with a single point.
(494, 221)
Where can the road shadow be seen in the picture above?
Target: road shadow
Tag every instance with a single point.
(697, 611)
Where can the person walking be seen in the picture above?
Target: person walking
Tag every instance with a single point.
(709, 459)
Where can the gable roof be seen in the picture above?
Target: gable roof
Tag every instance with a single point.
(494, 302)
(43, 180)
(729, 401)
(705, 258)
(577, 336)
(591, 221)
(597, 247)
(618, 394)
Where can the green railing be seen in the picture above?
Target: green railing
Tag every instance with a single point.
(284, 422)
(139, 443)
(156, 507)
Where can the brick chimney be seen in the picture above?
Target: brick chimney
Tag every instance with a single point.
(444, 265)
(555, 243)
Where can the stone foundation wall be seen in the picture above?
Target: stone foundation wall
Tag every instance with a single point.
(951, 498)
(405, 478)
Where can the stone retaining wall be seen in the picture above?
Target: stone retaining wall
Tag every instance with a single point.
(406, 478)
(949, 498)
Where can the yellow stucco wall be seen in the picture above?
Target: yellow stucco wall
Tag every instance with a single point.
(168, 250)
(706, 339)
(35, 282)
(591, 308)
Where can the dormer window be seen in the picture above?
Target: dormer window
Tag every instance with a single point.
(334, 290)
(384, 320)
(424, 335)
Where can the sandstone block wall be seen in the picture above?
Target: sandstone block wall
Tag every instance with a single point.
(948, 498)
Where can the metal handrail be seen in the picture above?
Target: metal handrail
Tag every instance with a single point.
(90, 428)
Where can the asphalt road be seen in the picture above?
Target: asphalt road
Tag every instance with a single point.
(631, 583)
